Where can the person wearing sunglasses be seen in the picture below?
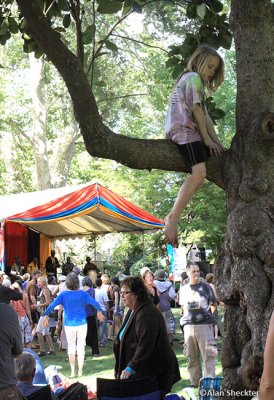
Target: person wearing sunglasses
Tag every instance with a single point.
(142, 348)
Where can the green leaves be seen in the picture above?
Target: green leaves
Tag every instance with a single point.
(201, 10)
(215, 5)
(114, 6)
(13, 26)
(172, 61)
(137, 7)
(111, 46)
(4, 27)
(214, 28)
(66, 21)
(89, 33)
(214, 112)
(63, 5)
(226, 39)
(109, 6)
(4, 30)
(178, 55)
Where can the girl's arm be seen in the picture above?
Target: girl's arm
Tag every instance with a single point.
(267, 383)
(211, 131)
(201, 121)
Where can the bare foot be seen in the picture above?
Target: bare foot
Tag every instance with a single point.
(171, 232)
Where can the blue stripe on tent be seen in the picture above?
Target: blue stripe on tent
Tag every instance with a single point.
(111, 207)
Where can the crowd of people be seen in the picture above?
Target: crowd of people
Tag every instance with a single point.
(135, 313)
(85, 309)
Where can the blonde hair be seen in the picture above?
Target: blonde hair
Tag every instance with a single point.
(105, 279)
(198, 61)
(43, 280)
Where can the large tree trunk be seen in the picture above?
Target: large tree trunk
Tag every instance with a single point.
(244, 269)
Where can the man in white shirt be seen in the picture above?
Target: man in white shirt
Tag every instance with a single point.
(198, 303)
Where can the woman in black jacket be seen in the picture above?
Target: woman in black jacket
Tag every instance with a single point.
(142, 348)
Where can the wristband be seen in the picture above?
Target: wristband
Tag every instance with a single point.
(130, 370)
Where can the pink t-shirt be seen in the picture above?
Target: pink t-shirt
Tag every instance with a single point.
(180, 124)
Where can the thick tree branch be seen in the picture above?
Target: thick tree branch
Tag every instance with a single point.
(99, 140)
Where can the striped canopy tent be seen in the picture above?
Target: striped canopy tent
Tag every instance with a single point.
(66, 212)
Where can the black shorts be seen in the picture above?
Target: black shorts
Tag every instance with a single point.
(35, 316)
(195, 152)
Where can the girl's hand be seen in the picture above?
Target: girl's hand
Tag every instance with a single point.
(215, 148)
(100, 316)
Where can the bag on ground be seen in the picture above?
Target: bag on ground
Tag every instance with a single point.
(75, 391)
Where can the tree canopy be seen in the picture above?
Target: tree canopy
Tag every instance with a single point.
(93, 41)
(139, 103)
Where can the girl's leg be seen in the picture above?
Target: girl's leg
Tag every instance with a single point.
(41, 342)
(40, 335)
(50, 343)
(190, 186)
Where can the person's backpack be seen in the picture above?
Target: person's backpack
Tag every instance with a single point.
(164, 303)
(75, 391)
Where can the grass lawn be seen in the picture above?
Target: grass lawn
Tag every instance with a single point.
(103, 366)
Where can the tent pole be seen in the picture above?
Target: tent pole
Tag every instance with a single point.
(95, 249)
(143, 240)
